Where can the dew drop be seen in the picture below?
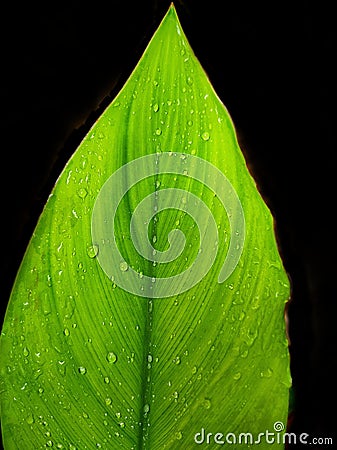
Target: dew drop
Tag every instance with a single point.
(25, 351)
(30, 419)
(237, 376)
(207, 403)
(92, 251)
(123, 266)
(158, 131)
(178, 435)
(205, 136)
(82, 193)
(106, 380)
(111, 357)
(156, 107)
(82, 370)
(66, 332)
(244, 353)
(108, 401)
(177, 360)
(266, 373)
(146, 408)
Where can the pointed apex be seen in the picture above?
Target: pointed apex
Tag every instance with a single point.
(172, 17)
(172, 11)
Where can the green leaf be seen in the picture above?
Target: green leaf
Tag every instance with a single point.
(148, 311)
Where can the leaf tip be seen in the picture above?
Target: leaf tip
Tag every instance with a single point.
(172, 11)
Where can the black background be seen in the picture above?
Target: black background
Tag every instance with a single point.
(272, 64)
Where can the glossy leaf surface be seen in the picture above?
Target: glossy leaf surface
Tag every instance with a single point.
(123, 333)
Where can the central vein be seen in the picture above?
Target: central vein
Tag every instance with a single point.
(146, 388)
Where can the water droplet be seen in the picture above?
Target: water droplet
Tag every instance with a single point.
(244, 351)
(69, 307)
(156, 107)
(66, 332)
(255, 304)
(111, 357)
(149, 358)
(207, 403)
(82, 192)
(205, 136)
(177, 360)
(106, 380)
(179, 435)
(237, 376)
(92, 251)
(146, 408)
(189, 81)
(267, 373)
(123, 266)
(49, 443)
(108, 401)
(194, 370)
(25, 351)
(82, 370)
(158, 131)
(30, 419)
(61, 368)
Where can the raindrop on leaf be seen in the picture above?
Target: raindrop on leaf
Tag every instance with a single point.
(111, 357)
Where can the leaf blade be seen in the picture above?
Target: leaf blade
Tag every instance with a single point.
(131, 371)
